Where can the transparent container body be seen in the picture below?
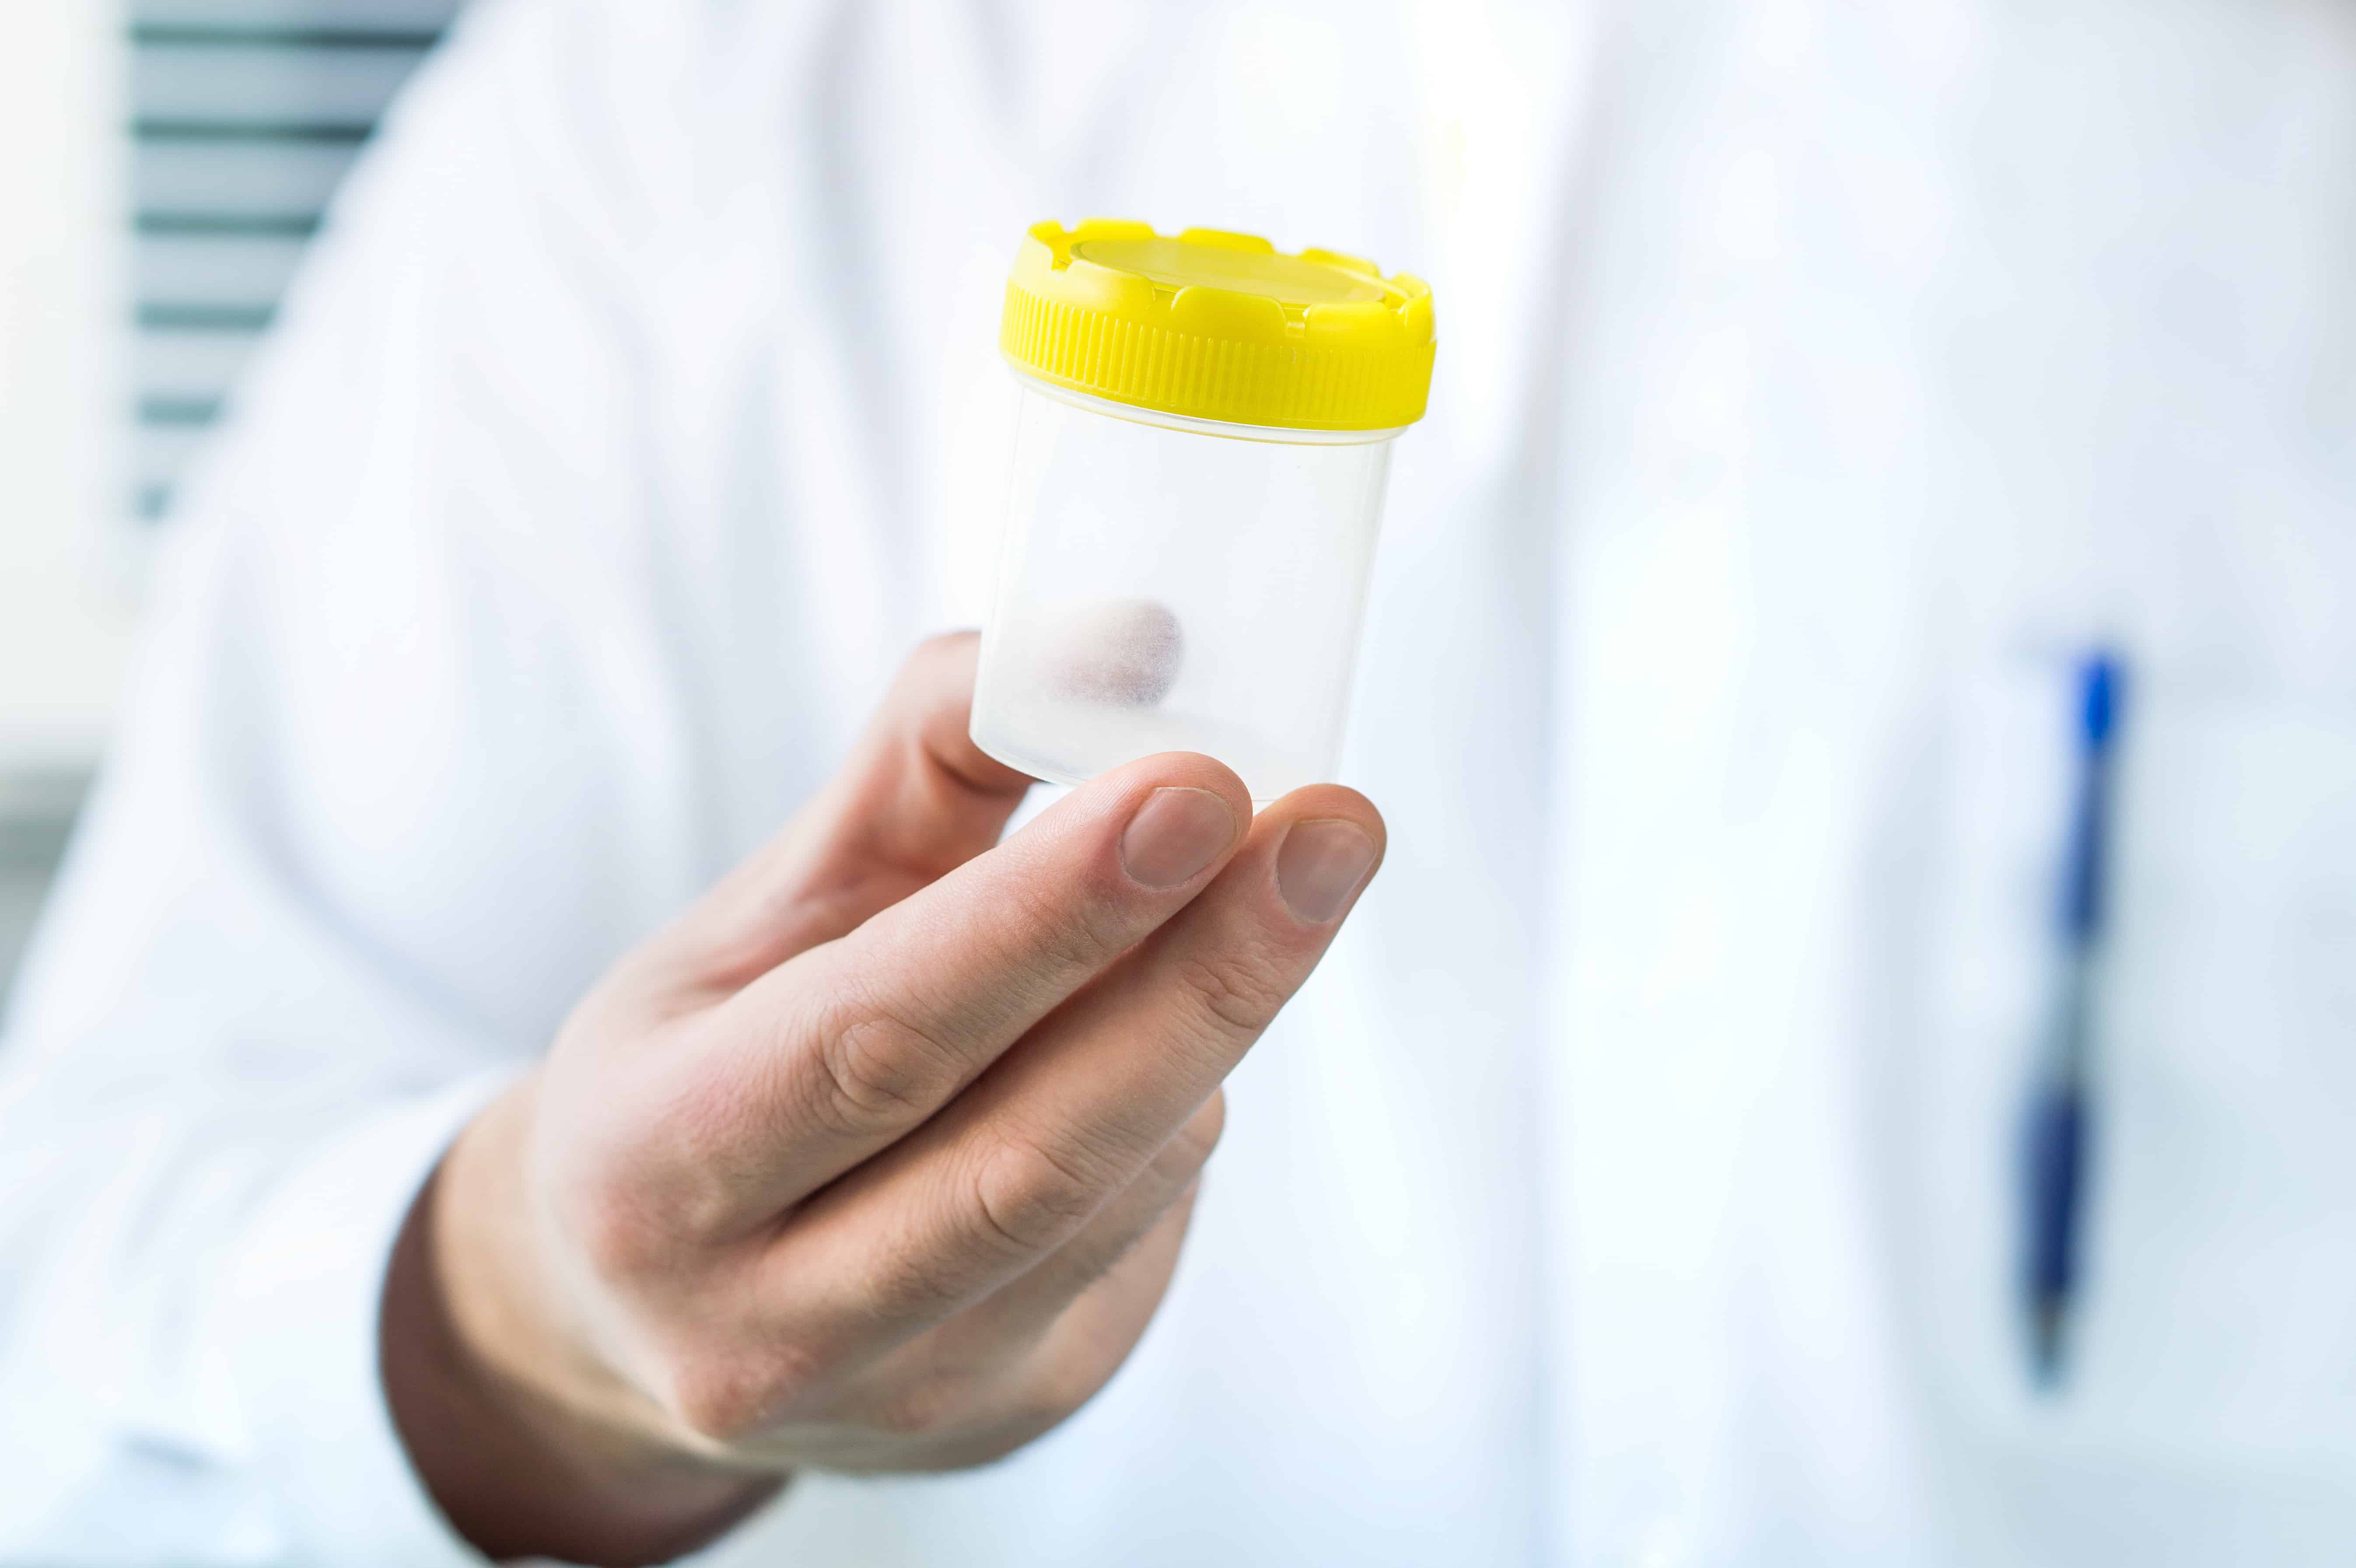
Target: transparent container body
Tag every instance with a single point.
(1173, 584)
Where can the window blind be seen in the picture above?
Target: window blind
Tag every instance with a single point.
(245, 114)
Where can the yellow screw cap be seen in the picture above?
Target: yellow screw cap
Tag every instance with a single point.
(1216, 326)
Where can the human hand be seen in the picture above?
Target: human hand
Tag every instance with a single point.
(878, 1158)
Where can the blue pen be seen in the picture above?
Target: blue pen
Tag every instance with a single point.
(2059, 1124)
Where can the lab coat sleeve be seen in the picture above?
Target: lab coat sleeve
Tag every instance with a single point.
(378, 809)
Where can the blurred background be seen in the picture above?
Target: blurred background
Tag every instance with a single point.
(197, 141)
(2042, 311)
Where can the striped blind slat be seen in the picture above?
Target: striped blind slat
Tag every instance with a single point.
(245, 114)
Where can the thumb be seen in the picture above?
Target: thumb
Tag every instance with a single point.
(916, 799)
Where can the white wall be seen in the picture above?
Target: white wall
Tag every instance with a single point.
(65, 613)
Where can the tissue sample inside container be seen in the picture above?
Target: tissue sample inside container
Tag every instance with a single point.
(1163, 589)
(1126, 652)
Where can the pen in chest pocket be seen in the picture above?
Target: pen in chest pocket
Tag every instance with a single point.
(2058, 1128)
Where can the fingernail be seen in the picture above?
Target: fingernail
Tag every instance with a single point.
(1320, 865)
(1174, 835)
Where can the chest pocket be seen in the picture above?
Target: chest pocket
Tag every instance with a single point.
(2222, 1290)
(2215, 1333)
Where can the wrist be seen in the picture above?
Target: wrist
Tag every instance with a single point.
(524, 1440)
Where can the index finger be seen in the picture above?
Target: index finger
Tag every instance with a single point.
(839, 1052)
(1021, 1162)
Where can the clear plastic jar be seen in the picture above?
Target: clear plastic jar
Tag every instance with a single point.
(1172, 582)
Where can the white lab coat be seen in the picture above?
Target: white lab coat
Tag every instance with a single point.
(1632, 1184)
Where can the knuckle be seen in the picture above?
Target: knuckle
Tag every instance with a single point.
(938, 665)
(1064, 937)
(1056, 1390)
(1238, 994)
(910, 1283)
(618, 1236)
(725, 1396)
(952, 648)
(940, 658)
(1188, 1151)
(932, 1406)
(1031, 1197)
(716, 1410)
(882, 1074)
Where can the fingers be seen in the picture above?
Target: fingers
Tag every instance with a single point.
(971, 1392)
(1088, 1342)
(1021, 1310)
(917, 800)
(833, 1057)
(1026, 1158)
